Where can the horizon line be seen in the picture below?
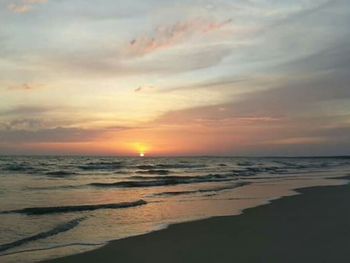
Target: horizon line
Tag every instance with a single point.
(177, 156)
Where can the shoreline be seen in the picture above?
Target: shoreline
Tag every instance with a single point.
(255, 235)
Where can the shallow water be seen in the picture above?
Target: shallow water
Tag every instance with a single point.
(55, 206)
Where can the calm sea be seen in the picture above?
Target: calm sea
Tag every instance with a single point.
(55, 206)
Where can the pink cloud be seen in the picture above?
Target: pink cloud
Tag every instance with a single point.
(24, 6)
(165, 37)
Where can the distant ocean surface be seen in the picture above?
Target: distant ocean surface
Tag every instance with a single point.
(56, 206)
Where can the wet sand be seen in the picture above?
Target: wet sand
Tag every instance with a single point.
(311, 227)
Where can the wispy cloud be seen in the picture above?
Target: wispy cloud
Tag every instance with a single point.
(26, 110)
(24, 6)
(105, 64)
(165, 37)
(25, 87)
(144, 89)
(58, 134)
(24, 132)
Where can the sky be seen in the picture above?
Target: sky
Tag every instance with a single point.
(199, 77)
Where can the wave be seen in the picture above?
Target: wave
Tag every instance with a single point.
(200, 191)
(310, 163)
(56, 187)
(152, 171)
(251, 171)
(101, 166)
(58, 229)
(77, 208)
(17, 168)
(60, 173)
(146, 167)
(167, 180)
(245, 163)
(167, 177)
(169, 166)
(25, 168)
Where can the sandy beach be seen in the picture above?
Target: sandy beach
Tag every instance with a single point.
(310, 227)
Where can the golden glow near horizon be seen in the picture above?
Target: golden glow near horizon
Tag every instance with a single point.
(141, 148)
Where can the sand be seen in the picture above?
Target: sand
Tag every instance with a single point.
(312, 227)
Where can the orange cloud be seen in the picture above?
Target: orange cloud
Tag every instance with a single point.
(165, 37)
(24, 6)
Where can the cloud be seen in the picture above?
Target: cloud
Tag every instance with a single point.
(292, 97)
(24, 6)
(22, 124)
(22, 133)
(26, 110)
(219, 83)
(314, 85)
(58, 134)
(184, 61)
(332, 58)
(103, 64)
(299, 140)
(302, 110)
(144, 89)
(25, 87)
(164, 37)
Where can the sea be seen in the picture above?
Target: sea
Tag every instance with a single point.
(53, 206)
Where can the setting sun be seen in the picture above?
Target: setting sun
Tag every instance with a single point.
(141, 148)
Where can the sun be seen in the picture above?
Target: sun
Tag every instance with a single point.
(140, 148)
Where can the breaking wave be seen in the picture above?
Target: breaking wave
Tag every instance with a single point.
(167, 180)
(58, 229)
(77, 208)
(200, 191)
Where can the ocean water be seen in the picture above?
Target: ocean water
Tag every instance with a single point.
(56, 206)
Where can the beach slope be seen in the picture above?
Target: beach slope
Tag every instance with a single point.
(312, 227)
